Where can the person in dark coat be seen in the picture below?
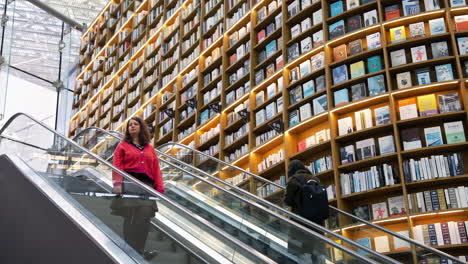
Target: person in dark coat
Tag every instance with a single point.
(293, 198)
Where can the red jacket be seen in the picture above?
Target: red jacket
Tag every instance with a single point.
(129, 158)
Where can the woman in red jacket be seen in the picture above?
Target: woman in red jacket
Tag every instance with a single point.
(137, 157)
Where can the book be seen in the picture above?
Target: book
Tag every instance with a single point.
(363, 119)
(336, 8)
(336, 29)
(396, 206)
(345, 126)
(295, 95)
(293, 51)
(366, 242)
(358, 91)
(317, 16)
(260, 35)
(270, 28)
(357, 69)
(392, 11)
(370, 18)
(454, 3)
(304, 68)
(306, 45)
(260, 117)
(403, 80)
(386, 145)
(398, 57)
(305, 111)
(379, 211)
(433, 136)
(374, 64)
(444, 72)
(295, 30)
(410, 138)
(279, 62)
(259, 98)
(439, 49)
(376, 84)
(340, 74)
(381, 244)
(397, 34)
(355, 47)
(308, 88)
(461, 23)
(449, 102)
(407, 108)
(293, 117)
(354, 23)
(382, 115)
(320, 83)
(362, 212)
(271, 90)
(373, 41)
(417, 30)
(431, 5)
(320, 104)
(293, 75)
(341, 97)
(399, 244)
(306, 23)
(454, 132)
(350, 4)
(293, 8)
(427, 105)
(318, 61)
(270, 110)
(262, 13)
(462, 45)
(418, 53)
(410, 7)
(423, 76)
(317, 38)
(347, 154)
(270, 48)
(270, 70)
(365, 149)
(437, 26)
(340, 52)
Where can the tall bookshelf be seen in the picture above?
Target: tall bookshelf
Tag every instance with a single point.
(195, 70)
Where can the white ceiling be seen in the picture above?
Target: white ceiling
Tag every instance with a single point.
(32, 36)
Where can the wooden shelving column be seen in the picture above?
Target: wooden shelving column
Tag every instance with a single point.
(179, 65)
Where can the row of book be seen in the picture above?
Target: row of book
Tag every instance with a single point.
(439, 234)
(271, 160)
(230, 138)
(269, 70)
(235, 180)
(212, 75)
(426, 105)
(419, 53)
(439, 199)
(268, 189)
(271, 90)
(317, 138)
(234, 116)
(320, 165)
(241, 11)
(412, 7)
(454, 133)
(265, 10)
(337, 7)
(363, 120)
(307, 23)
(433, 167)
(417, 30)
(236, 94)
(211, 151)
(239, 34)
(305, 111)
(307, 67)
(376, 85)
(366, 149)
(187, 131)
(208, 113)
(373, 178)
(264, 137)
(306, 89)
(270, 111)
(240, 52)
(242, 71)
(214, 131)
(393, 206)
(244, 149)
(382, 243)
(212, 94)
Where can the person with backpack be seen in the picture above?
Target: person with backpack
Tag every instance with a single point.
(307, 198)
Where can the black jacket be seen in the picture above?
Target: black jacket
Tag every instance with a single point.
(293, 195)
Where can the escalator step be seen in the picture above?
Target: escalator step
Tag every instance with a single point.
(171, 257)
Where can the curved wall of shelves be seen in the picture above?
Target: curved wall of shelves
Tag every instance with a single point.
(372, 94)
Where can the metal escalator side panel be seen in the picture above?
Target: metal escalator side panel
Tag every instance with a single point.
(67, 209)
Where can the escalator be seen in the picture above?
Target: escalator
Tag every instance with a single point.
(171, 153)
(184, 229)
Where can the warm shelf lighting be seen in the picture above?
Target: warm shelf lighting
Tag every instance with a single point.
(236, 103)
(413, 17)
(306, 122)
(424, 87)
(352, 34)
(359, 102)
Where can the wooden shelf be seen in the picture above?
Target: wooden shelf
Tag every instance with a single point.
(422, 64)
(269, 144)
(427, 151)
(273, 170)
(364, 133)
(359, 79)
(433, 183)
(373, 193)
(236, 144)
(432, 119)
(270, 18)
(318, 148)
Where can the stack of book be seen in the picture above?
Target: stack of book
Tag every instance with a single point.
(433, 167)
(374, 177)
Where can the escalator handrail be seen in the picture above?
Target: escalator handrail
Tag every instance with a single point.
(154, 192)
(294, 216)
(290, 214)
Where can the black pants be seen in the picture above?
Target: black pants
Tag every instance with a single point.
(137, 215)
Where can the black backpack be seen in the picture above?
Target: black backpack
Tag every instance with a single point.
(314, 204)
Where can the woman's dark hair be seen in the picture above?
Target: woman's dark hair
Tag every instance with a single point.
(144, 136)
